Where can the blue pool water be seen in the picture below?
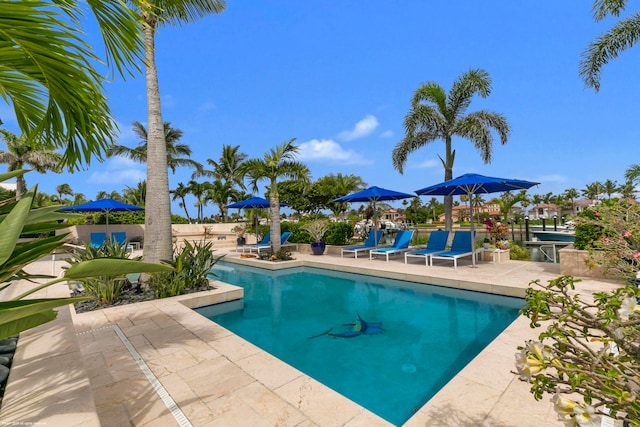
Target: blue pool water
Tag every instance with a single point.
(430, 332)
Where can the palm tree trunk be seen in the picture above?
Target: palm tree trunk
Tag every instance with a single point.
(157, 218)
(21, 187)
(274, 210)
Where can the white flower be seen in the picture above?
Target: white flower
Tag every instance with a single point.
(531, 361)
(585, 416)
(628, 307)
(563, 405)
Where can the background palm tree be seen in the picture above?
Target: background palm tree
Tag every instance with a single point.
(220, 193)
(63, 189)
(115, 195)
(180, 192)
(20, 153)
(572, 194)
(177, 154)
(633, 173)
(228, 168)
(612, 43)
(435, 115)
(200, 192)
(609, 187)
(154, 13)
(592, 191)
(136, 195)
(278, 163)
(49, 76)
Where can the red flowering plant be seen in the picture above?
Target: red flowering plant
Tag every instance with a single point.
(497, 230)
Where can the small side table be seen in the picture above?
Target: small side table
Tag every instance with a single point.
(497, 253)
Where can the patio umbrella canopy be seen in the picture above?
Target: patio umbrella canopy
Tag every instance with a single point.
(470, 184)
(373, 195)
(103, 205)
(252, 203)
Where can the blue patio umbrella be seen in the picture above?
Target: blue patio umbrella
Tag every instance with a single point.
(470, 184)
(103, 205)
(252, 203)
(372, 195)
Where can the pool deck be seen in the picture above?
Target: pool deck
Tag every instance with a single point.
(159, 363)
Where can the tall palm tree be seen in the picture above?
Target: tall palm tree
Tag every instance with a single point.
(633, 173)
(155, 13)
(180, 192)
(435, 115)
(628, 190)
(592, 191)
(79, 198)
(48, 72)
(228, 168)
(200, 192)
(220, 193)
(572, 194)
(610, 187)
(21, 153)
(63, 189)
(612, 43)
(115, 195)
(177, 154)
(136, 195)
(278, 163)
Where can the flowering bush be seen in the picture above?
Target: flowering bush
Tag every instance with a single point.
(589, 351)
(497, 230)
(239, 230)
(589, 356)
(617, 243)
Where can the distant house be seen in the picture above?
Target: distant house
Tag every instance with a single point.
(545, 210)
(581, 205)
(393, 215)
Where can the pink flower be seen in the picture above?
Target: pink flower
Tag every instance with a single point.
(636, 255)
(627, 234)
(597, 214)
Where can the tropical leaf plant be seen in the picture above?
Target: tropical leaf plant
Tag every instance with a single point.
(17, 218)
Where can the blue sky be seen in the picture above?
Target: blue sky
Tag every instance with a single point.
(339, 77)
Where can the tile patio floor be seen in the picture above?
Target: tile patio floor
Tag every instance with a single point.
(217, 379)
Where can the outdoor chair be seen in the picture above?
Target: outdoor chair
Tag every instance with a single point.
(120, 237)
(462, 246)
(98, 239)
(284, 237)
(400, 245)
(371, 243)
(265, 241)
(437, 243)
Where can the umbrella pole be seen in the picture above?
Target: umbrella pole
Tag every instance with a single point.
(473, 243)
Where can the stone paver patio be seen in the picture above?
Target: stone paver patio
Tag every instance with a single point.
(79, 370)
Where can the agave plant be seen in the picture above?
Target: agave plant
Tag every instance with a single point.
(18, 219)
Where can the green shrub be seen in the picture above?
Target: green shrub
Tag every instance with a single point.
(587, 234)
(519, 253)
(339, 233)
(104, 289)
(192, 266)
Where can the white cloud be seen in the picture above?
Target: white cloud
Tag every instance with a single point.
(328, 149)
(207, 106)
(119, 170)
(387, 134)
(363, 128)
(551, 178)
(427, 164)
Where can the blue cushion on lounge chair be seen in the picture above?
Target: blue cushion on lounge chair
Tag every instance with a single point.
(119, 237)
(400, 244)
(369, 244)
(461, 246)
(437, 243)
(98, 239)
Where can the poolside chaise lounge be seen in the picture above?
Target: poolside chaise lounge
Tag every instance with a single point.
(400, 245)
(284, 237)
(437, 243)
(369, 244)
(265, 241)
(462, 246)
(120, 237)
(98, 239)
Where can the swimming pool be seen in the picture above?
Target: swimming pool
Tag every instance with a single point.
(429, 332)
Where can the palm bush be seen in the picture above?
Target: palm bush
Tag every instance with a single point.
(108, 288)
(192, 269)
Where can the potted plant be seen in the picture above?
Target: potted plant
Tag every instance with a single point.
(239, 230)
(317, 229)
(486, 242)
